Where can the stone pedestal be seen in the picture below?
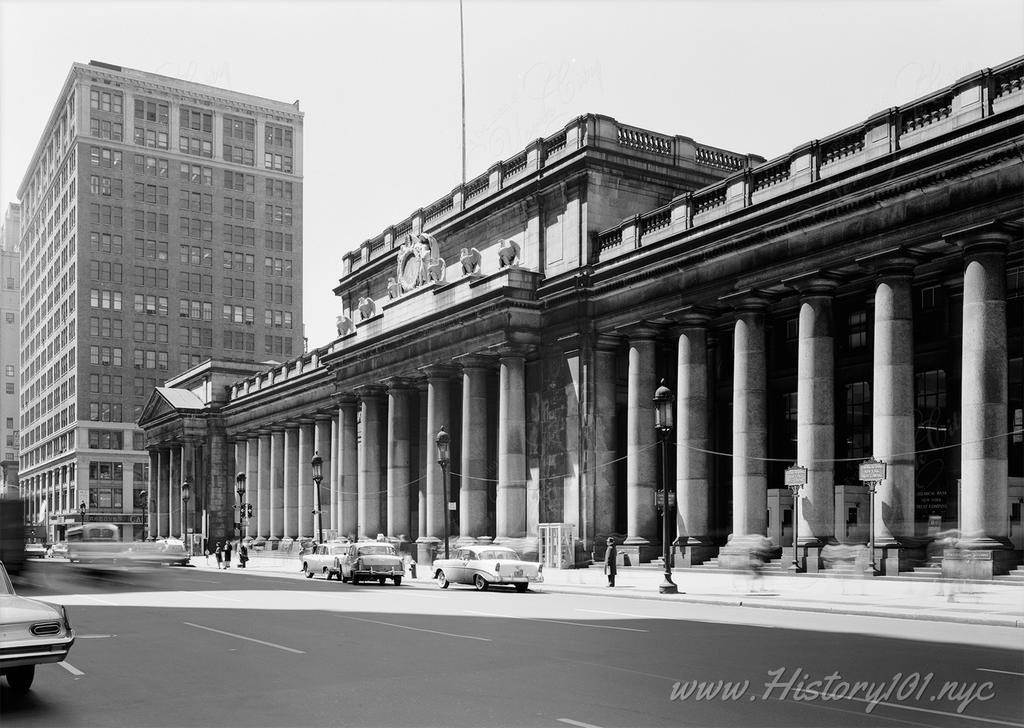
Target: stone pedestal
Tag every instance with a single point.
(639, 552)
(426, 551)
(694, 553)
(977, 563)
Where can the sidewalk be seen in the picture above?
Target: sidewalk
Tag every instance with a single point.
(983, 603)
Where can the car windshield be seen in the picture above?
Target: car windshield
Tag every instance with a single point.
(377, 549)
(338, 550)
(5, 582)
(506, 554)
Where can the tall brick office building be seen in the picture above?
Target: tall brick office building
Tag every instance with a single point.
(161, 226)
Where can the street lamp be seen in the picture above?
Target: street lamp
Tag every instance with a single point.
(81, 511)
(240, 489)
(872, 473)
(186, 493)
(318, 476)
(796, 478)
(664, 423)
(443, 458)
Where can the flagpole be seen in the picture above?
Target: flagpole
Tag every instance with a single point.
(462, 61)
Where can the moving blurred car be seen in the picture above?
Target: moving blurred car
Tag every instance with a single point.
(484, 565)
(372, 560)
(325, 559)
(164, 551)
(59, 550)
(31, 633)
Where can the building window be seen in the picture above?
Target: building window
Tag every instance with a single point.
(858, 420)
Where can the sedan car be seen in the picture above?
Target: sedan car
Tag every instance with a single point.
(31, 633)
(484, 565)
(325, 559)
(372, 560)
(35, 550)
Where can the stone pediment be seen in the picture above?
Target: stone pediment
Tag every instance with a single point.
(168, 403)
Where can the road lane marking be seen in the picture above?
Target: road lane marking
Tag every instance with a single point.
(243, 637)
(71, 668)
(613, 667)
(212, 596)
(556, 621)
(994, 721)
(1003, 672)
(617, 614)
(415, 629)
(570, 721)
(95, 599)
(94, 636)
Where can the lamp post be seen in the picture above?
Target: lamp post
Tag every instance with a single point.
(186, 493)
(443, 458)
(81, 511)
(871, 473)
(318, 476)
(796, 478)
(663, 423)
(240, 489)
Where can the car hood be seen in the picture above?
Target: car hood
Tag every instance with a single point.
(21, 609)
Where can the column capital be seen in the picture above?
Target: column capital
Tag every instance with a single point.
(813, 283)
(348, 400)
(369, 391)
(475, 361)
(608, 342)
(692, 316)
(895, 261)
(397, 383)
(639, 330)
(992, 236)
(750, 300)
(439, 371)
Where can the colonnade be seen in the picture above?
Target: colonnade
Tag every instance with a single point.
(56, 487)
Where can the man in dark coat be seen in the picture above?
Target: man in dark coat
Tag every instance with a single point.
(220, 554)
(610, 561)
(227, 554)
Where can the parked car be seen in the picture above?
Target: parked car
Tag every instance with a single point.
(35, 550)
(370, 560)
(325, 559)
(59, 550)
(31, 633)
(163, 551)
(484, 565)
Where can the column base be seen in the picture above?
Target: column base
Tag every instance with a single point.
(427, 550)
(637, 550)
(977, 559)
(694, 551)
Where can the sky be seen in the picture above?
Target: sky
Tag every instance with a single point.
(379, 82)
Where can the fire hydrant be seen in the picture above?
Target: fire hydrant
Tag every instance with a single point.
(412, 568)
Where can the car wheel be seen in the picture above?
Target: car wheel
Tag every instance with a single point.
(522, 587)
(442, 580)
(327, 574)
(397, 580)
(307, 572)
(480, 582)
(381, 579)
(354, 579)
(20, 678)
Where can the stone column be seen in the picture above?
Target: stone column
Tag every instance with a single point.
(348, 468)
(473, 496)
(152, 494)
(816, 418)
(749, 419)
(264, 480)
(892, 403)
(290, 494)
(175, 492)
(438, 414)
(252, 483)
(425, 461)
(984, 488)
(163, 505)
(306, 500)
(399, 473)
(605, 433)
(324, 447)
(371, 472)
(277, 468)
(693, 481)
(510, 509)
(641, 446)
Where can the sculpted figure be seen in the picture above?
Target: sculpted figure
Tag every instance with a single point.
(344, 324)
(367, 307)
(508, 253)
(435, 270)
(393, 288)
(470, 259)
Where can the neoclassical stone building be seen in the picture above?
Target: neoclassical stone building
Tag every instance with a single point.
(859, 297)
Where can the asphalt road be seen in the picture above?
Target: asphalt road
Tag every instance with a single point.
(190, 647)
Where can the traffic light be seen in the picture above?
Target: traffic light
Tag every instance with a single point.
(248, 510)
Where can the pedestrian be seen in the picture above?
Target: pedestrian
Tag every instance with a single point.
(611, 561)
(243, 555)
(227, 554)
(219, 552)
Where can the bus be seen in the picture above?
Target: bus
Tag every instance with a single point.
(91, 543)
